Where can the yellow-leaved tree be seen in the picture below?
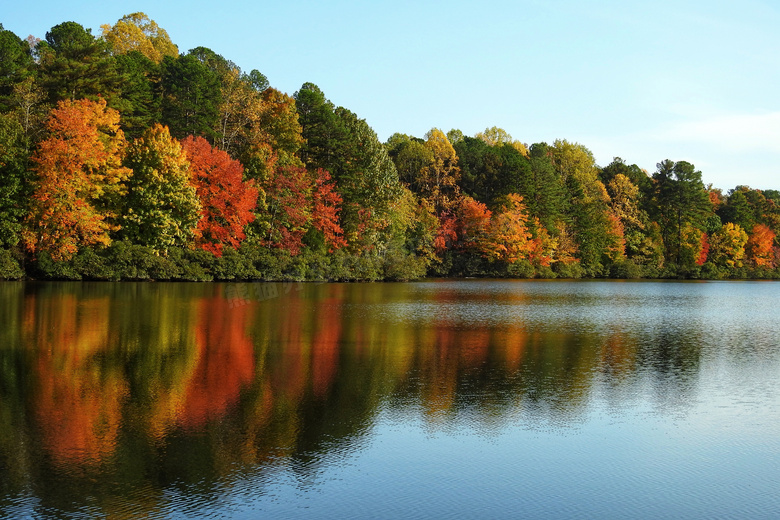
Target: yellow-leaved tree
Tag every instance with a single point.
(136, 32)
(495, 136)
(162, 208)
(727, 246)
(438, 181)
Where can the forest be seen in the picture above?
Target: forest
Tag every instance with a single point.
(122, 158)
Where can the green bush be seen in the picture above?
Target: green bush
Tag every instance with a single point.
(650, 271)
(92, 266)
(710, 271)
(355, 268)
(399, 265)
(670, 271)
(625, 269)
(441, 267)
(339, 266)
(269, 263)
(468, 265)
(254, 262)
(134, 262)
(9, 267)
(45, 267)
(545, 272)
(192, 265)
(233, 265)
(521, 269)
(568, 270)
(318, 265)
(762, 273)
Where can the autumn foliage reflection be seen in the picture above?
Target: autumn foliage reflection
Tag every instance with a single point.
(226, 362)
(154, 377)
(78, 400)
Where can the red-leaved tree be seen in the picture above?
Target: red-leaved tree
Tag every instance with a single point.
(705, 249)
(228, 202)
(326, 205)
(288, 193)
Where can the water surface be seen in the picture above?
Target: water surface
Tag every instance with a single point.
(445, 399)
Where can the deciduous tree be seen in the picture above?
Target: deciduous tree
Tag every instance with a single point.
(473, 226)
(326, 206)
(280, 126)
(288, 215)
(495, 136)
(760, 247)
(162, 208)
(227, 202)
(625, 203)
(510, 238)
(80, 180)
(29, 109)
(727, 246)
(438, 183)
(410, 156)
(136, 32)
(634, 173)
(273, 139)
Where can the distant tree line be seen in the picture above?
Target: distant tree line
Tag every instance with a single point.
(121, 158)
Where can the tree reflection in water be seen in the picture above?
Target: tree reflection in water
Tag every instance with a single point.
(112, 395)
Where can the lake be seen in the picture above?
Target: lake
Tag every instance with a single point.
(436, 399)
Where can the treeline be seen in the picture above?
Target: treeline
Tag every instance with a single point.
(122, 158)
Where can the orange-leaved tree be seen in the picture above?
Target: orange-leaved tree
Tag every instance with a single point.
(544, 246)
(473, 225)
(510, 238)
(227, 202)
(80, 179)
(760, 246)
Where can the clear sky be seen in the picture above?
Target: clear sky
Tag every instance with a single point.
(686, 80)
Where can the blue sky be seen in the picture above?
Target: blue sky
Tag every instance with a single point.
(646, 81)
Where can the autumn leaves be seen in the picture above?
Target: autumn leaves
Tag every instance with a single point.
(92, 186)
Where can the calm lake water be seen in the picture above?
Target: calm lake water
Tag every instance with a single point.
(440, 399)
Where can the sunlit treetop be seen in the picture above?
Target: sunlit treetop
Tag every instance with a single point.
(495, 136)
(136, 32)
